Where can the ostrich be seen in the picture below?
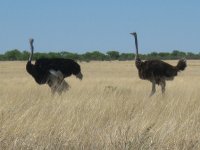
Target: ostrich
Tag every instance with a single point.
(156, 71)
(52, 71)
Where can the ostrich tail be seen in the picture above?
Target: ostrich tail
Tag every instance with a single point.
(181, 64)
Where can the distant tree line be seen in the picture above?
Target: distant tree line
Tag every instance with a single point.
(96, 55)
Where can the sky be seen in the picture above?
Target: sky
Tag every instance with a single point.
(100, 25)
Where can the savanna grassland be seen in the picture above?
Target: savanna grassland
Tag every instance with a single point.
(109, 109)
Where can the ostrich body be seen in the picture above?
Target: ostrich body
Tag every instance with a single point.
(53, 71)
(157, 71)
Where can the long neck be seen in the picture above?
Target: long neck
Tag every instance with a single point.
(32, 49)
(29, 66)
(136, 45)
(39, 75)
(138, 61)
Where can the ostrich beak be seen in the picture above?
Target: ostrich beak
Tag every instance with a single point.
(79, 75)
(133, 33)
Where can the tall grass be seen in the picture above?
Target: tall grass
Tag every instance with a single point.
(109, 109)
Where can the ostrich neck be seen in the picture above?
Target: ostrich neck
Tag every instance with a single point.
(31, 54)
(136, 46)
(32, 49)
(30, 58)
(30, 67)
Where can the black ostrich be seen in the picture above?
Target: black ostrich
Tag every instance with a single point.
(53, 71)
(156, 71)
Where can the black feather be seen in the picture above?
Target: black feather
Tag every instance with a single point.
(66, 66)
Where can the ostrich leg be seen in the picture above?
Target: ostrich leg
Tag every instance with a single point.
(153, 90)
(163, 84)
(57, 83)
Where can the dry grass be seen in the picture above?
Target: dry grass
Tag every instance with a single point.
(109, 109)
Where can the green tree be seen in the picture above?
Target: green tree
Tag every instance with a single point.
(126, 56)
(191, 55)
(38, 55)
(114, 55)
(69, 55)
(152, 55)
(2, 57)
(177, 54)
(25, 55)
(95, 55)
(164, 55)
(13, 55)
(53, 55)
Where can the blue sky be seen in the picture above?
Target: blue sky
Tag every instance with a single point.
(103, 25)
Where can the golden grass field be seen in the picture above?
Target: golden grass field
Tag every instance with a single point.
(109, 109)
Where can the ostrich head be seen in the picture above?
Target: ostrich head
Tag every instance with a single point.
(31, 40)
(134, 33)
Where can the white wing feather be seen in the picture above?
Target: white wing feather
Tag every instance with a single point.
(56, 82)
